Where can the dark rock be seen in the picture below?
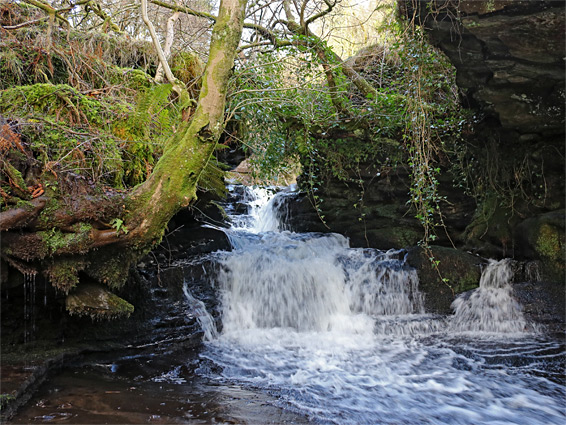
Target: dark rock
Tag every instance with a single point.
(95, 301)
(509, 57)
(461, 270)
(543, 302)
(543, 238)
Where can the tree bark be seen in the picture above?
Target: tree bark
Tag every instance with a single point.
(67, 248)
(296, 29)
(169, 37)
(178, 86)
(173, 182)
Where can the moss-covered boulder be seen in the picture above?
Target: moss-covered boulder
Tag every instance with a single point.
(543, 238)
(97, 302)
(444, 273)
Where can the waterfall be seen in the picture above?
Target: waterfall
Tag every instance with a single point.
(307, 282)
(315, 282)
(340, 334)
(491, 307)
(283, 280)
(198, 309)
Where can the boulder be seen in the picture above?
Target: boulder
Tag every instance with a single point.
(97, 302)
(443, 274)
(543, 238)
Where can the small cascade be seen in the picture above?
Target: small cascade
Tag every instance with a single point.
(491, 307)
(260, 215)
(198, 309)
(284, 280)
(307, 282)
(379, 283)
(340, 333)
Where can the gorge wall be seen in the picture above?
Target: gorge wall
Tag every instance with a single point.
(505, 196)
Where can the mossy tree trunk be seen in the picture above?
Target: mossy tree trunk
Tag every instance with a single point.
(70, 247)
(173, 182)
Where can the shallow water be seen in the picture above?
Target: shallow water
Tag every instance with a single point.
(340, 335)
(132, 388)
(315, 331)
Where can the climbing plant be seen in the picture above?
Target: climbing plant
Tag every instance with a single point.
(289, 110)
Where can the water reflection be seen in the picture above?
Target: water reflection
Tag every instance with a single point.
(147, 388)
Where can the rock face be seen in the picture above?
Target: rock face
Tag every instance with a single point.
(510, 62)
(461, 272)
(374, 212)
(509, 57)
(378, 217)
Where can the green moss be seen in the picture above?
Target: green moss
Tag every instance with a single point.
(26, 205)
(64, 274)
(75, 242)
(47, 214)
(187, 67)
(120, 306)
(53, 239)
(548, 243)
(111, 266)
(122, 142)
(96, 302)
(6, 399)
(134, 79)
(462, 271)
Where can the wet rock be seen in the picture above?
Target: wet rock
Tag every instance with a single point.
(509, 57)
(543, 302)
(461, 270)
(543, 238)
(97, 302)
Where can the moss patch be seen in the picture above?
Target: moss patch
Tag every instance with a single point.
(462, 270)
(96, 302)
(551, 248)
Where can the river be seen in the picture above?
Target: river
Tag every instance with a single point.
(313, 331)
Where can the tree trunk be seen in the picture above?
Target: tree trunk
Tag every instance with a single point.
(170, 36)
(173, 182)
(36, 237)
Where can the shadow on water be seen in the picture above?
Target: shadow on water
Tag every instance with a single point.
(301, 328)
(147, 388)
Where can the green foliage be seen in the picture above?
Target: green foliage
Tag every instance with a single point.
(188, 68)
(432, 117)
(118, 224)
(287, 110)
(211, 178)
(5, 400)
(87, 60)
(145, 131)
(102, 138)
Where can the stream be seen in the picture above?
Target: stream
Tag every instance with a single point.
(313, 331)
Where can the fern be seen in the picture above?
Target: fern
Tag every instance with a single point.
(212, 177)
(151, 115)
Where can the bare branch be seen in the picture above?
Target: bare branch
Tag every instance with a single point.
(170, 34)
(178, 86)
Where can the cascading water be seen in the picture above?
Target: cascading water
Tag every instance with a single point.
(490, 308)
(29, 307)
(339, 334)
(198, 310)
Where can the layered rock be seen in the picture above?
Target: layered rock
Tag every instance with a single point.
(509, 57)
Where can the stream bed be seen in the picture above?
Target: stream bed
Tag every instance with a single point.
(313, 331)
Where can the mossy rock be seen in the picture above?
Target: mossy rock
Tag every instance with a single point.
(461, 270)
(490, 232)
(543, 238)
(389, 237)
(97, 302)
